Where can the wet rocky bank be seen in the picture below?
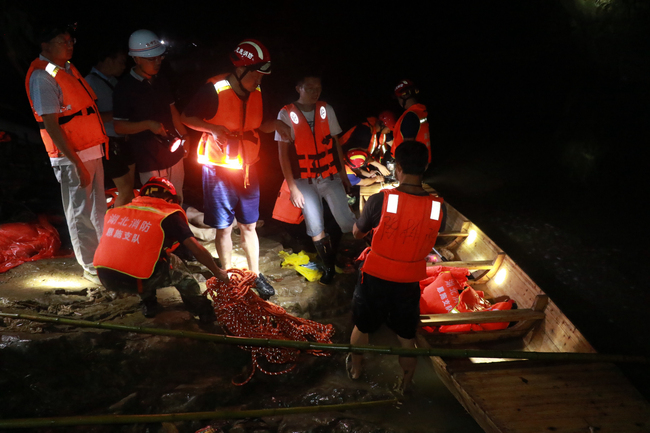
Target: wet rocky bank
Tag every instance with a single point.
(54, 370)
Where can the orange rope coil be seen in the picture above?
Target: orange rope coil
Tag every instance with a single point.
(243, 313)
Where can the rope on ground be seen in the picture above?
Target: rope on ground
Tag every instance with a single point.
(244, 314)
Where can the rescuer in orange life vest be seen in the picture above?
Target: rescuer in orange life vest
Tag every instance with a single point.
(64, 106)
(133, 251)
(228, 110)
(309, 167)
(375, 135)
(405, 222)
(413, 124)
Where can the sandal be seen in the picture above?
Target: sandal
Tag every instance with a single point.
(348, 367)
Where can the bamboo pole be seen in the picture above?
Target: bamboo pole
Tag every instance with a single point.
(340, 347)
(189, 416)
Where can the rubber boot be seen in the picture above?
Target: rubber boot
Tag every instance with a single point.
(328, 256)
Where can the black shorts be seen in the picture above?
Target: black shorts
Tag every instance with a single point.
(378, 301)
(120, 157)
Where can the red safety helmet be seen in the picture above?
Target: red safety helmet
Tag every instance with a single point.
(157, 185)
(252, 55)
(405, 88)
(387, 117)
(356, 158)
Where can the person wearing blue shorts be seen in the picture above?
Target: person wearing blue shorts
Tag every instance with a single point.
(228, 110)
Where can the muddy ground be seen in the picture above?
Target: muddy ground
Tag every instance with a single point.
(52, 370)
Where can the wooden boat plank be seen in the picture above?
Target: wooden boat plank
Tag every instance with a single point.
(595, 391)
(480, 317)
(574, 424)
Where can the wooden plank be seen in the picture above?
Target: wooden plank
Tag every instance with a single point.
(452, 234)
(480, 317)
(475, 264)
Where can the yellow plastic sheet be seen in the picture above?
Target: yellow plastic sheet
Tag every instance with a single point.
(302, 263)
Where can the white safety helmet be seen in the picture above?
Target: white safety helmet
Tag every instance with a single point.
(145, 43)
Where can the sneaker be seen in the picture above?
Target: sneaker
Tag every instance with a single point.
(263, 287)
(93, 278)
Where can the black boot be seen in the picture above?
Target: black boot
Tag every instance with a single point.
(150, 307)
(328, 256)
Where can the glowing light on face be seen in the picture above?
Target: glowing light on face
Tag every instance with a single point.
(471, 237)
(501, 276)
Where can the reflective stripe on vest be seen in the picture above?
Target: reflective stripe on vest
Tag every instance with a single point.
(315, 149)
(423, 132)
(406, 233)
(133, 236)
(78, 117)
(241, 118)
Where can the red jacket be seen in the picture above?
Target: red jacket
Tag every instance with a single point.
(133, 236)
(406, 233)
(315, 149)
(423, 133)
(79, 117)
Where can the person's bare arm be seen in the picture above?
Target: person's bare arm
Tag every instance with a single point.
(204, 257)
(341, 168)
(358, 234)
(176, 119)
(297, 198)
(126, 127)
(51, 122)
(279, 126)
(219, 132)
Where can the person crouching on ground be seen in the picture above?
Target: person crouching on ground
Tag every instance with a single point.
(133, 251)
(406, 221)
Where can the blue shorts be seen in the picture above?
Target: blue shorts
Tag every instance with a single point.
(225, 198)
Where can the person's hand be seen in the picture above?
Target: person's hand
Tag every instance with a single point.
(283, 130)
(220, 134)
(223, 276)
(297, 199)
(157, 128)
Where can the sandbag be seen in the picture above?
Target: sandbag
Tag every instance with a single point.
(27, 242)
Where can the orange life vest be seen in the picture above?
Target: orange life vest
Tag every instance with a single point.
(407, 231)
(133, 236)
(423, 133)
(377, 140)
(315, 149)
(79, 118)
(242, 118)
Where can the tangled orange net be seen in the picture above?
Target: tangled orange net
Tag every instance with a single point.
(244, 314)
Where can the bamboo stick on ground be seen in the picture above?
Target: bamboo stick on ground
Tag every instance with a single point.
(306, 345)
(190, 416)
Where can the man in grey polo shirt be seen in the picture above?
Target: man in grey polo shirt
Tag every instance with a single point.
(72, 131)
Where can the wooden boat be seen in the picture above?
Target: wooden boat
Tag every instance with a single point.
(525, 396)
